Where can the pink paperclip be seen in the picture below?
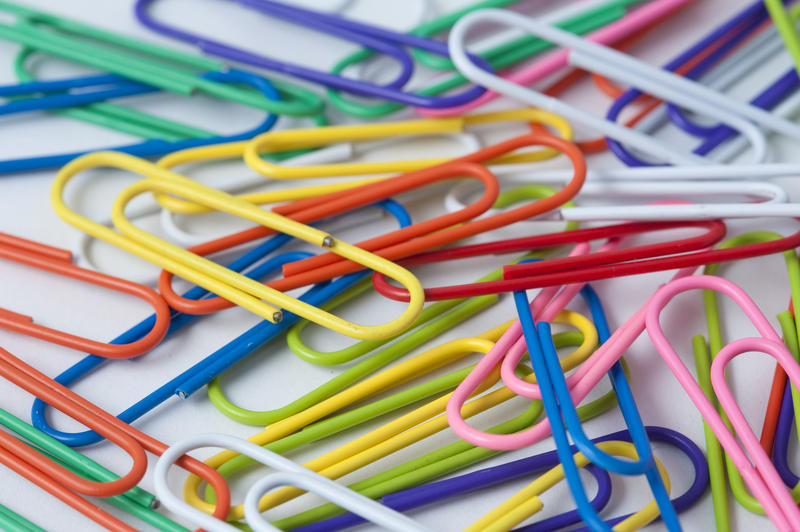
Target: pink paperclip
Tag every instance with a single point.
(518, 350)
(552, 63)
(763, 480)
(586, 377)
(545, 305)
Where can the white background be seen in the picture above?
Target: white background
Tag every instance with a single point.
(273, 375)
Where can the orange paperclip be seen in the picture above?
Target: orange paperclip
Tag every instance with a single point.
(409, 240)
(63, 484)
(57, 260)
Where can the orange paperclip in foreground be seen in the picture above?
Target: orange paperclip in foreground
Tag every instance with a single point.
(57, 260)
(63, 484)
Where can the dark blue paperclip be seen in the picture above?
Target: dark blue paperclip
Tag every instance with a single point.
(405, 500)
(561, 411)
(733, 31)
(379, 39)
(120, 86)
(214, 364)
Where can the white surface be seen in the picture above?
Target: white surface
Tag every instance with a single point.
(273, 375)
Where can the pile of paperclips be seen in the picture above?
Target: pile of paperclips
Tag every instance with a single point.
(538, 372)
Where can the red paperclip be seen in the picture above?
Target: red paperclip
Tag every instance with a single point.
(401, 243)
(56, 480)
(57, 261)
(715, 232)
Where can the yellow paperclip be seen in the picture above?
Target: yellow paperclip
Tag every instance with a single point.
(526, 502)
(230, 285)
(398, 433)
(306, 138)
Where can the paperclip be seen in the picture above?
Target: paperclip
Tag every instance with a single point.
(525, 275)
(164, 142)
(526, 501)
(382, 40)
(500, 56)
(436, 492)
(614, 33)
(11, 520)
(278, 140)
(788, 407)
(706, 352)
(289, 473)
(562, 415)
(306, 138)
(758, 191)
(443, 461)
(309, 210)
(397, 245)
(762, 478)
(195, 377)
(49, 476)
(596, 58)
(136, 501)
(723, 38)
(351, 456)
(144, 62)
(55, 260)
(785, 23)
(611, 261)
(220, 280)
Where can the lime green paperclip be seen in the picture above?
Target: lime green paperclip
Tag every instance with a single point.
(344, 460)
(434, 320)
(450, 458)
(145, 62)
(704, 353)
(786, 23)
(136, 501)
(501, 56)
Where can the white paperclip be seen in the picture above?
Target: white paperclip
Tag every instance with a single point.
(772, 200)
(620, 67)
(289, 473)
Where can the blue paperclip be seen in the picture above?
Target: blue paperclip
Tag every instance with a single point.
(123, 87)
(379, 39)
(434, 492)
(214, 364)
(783, 431)
(558, 402)
(742, 24)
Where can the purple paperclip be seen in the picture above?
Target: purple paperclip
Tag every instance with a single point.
(445, 489)
(783, 431)
(746, 21)
(381, 40)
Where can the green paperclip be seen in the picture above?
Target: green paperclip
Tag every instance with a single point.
(448, 459)
(12, 521)
(135, 501)
(137, 123)
(433, 321)
(141, 61)
(426, 390)
(704, 353)
(501, 56)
